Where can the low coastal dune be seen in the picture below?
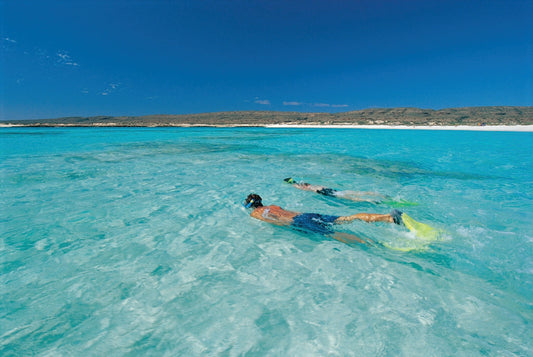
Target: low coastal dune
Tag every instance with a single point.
(471, 118)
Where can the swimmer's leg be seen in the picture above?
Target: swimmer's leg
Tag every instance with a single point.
(367, 217)
(350, 238)
(396, 216)
(358, 196)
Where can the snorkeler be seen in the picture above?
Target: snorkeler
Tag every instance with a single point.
(314, 222)
(326, 191)
(355, 196)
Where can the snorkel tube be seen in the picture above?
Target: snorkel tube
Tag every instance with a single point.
(252, 201)
(249, 203)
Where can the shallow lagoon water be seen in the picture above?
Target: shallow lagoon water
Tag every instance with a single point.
(134, 241)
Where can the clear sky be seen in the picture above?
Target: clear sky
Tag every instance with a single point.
(133, 57)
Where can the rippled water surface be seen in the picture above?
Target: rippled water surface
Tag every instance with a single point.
(134, 241)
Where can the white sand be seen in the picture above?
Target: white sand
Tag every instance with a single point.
(526, 128)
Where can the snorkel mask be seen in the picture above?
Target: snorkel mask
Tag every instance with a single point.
(253, 200)
(289, 180)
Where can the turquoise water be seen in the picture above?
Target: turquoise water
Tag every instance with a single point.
(134, 241)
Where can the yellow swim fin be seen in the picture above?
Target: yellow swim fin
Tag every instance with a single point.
(421, 230)
(404, 247)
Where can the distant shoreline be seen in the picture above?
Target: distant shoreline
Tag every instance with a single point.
(495, 118)
(515, 128)
(523, 128)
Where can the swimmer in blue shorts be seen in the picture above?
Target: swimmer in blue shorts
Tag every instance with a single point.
(314, 222)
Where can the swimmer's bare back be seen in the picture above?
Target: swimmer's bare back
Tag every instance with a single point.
(274, 215)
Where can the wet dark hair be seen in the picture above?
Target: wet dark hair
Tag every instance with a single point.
(256, 200)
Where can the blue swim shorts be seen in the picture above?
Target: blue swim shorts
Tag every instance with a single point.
(314, 222)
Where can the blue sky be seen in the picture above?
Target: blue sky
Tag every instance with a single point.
(96, 57)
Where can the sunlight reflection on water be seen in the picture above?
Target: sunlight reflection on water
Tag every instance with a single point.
(135, 241)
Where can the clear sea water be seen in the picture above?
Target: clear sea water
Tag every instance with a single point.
(134, 242)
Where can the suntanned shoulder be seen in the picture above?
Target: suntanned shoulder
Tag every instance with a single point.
(258, 212)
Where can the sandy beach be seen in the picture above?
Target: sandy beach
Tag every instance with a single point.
(521, 128)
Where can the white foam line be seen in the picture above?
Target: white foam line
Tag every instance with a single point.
(524, 128)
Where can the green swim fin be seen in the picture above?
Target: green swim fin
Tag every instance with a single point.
(421, 230)
(400, 203)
